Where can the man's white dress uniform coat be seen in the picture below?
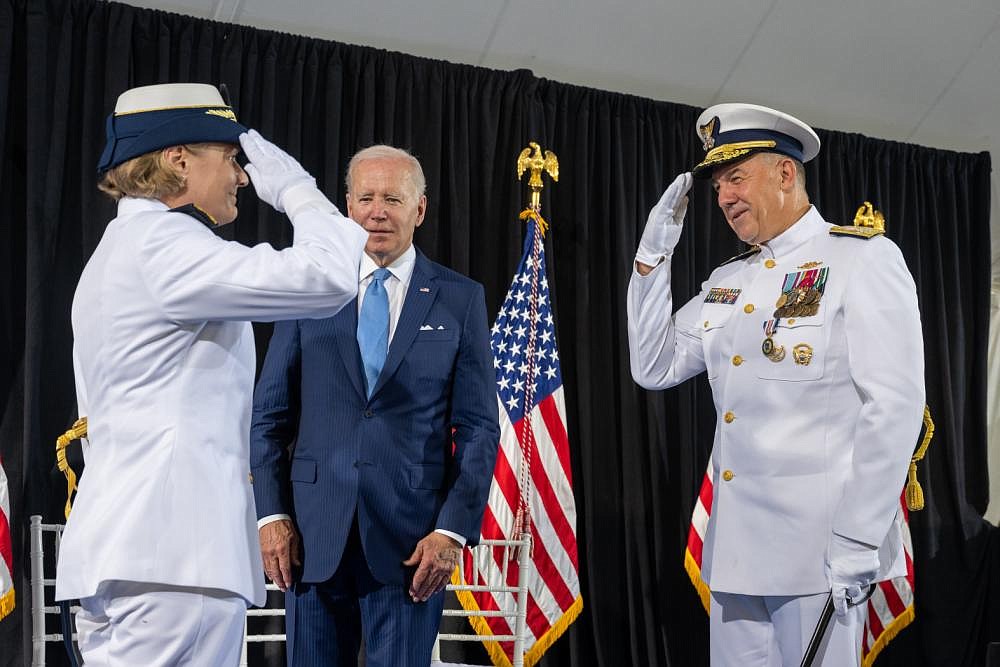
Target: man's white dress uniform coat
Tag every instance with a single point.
(801, 450)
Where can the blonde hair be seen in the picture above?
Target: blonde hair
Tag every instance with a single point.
(149, 176)
(383, 151)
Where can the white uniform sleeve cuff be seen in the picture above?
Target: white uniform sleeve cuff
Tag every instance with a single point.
(271, 518)
(455, 536)
(304, 196)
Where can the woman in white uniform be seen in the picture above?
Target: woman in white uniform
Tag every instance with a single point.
(161, 547)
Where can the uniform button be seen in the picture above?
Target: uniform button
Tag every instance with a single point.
(728, 475)
(369, 413)
(729, 417)
(737, 360)
(770, 263)
(748, 308)
(791, 321)
(706, 324)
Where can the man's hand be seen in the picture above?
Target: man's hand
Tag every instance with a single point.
(273, 172)
(279, 547)
(851, 569)
(436, 557)
(664, 224)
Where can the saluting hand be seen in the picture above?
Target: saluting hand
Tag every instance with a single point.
(436, 557)
(664, 224)
(273, 172)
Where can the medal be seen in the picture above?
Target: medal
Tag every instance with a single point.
(773, 352)
(801, 293)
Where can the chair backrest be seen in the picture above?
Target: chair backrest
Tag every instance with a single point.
(490, 561)
(49, 535)
(40, 584)
(261, 612)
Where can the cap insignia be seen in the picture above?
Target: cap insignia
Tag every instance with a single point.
(729, 151)
(224, 113)
(706, 131)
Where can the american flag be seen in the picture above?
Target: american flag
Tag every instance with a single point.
(532, 487)
(6, 550)
(890, 608)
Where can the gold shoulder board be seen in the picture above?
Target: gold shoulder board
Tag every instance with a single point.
(743, 255)
(859, 232)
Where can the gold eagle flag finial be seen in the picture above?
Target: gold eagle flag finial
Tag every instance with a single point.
(537, 163)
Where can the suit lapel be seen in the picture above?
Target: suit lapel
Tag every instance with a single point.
(346, 325)
(419, 297)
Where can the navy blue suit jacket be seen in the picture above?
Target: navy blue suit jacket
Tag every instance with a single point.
(321, 450)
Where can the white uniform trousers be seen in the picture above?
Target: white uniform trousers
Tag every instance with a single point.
(774, 631)
(131, 623)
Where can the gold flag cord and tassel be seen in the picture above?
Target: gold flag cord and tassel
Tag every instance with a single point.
(914, 493)
(77, 431)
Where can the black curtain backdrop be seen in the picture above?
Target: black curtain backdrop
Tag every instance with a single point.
(638, 457)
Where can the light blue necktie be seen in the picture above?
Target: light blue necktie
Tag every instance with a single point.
(373, 327)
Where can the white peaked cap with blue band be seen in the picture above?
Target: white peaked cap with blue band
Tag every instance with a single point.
(734, 131)
(151, 118)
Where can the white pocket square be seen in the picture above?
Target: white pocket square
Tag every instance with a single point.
(427, 327)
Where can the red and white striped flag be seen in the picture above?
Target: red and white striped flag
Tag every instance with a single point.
(6, 550)
(532, 485)
(890, 608)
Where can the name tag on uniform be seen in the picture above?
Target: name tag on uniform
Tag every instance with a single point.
(727, 295)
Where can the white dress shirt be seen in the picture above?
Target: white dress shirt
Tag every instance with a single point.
(396, 285)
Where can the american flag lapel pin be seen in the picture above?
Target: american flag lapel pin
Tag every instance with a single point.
(425, 289)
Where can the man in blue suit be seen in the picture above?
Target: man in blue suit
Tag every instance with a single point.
(374, 438)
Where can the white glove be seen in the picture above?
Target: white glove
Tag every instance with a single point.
(665, 222)
(277, 177)
(850, 568)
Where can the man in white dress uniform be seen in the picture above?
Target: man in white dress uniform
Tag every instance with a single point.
(161, 547)
(813, 349)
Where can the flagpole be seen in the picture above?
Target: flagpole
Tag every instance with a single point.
(538, 163)
(531, 499)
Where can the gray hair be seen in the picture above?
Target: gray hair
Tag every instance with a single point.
(383, 151)
(800, 169)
